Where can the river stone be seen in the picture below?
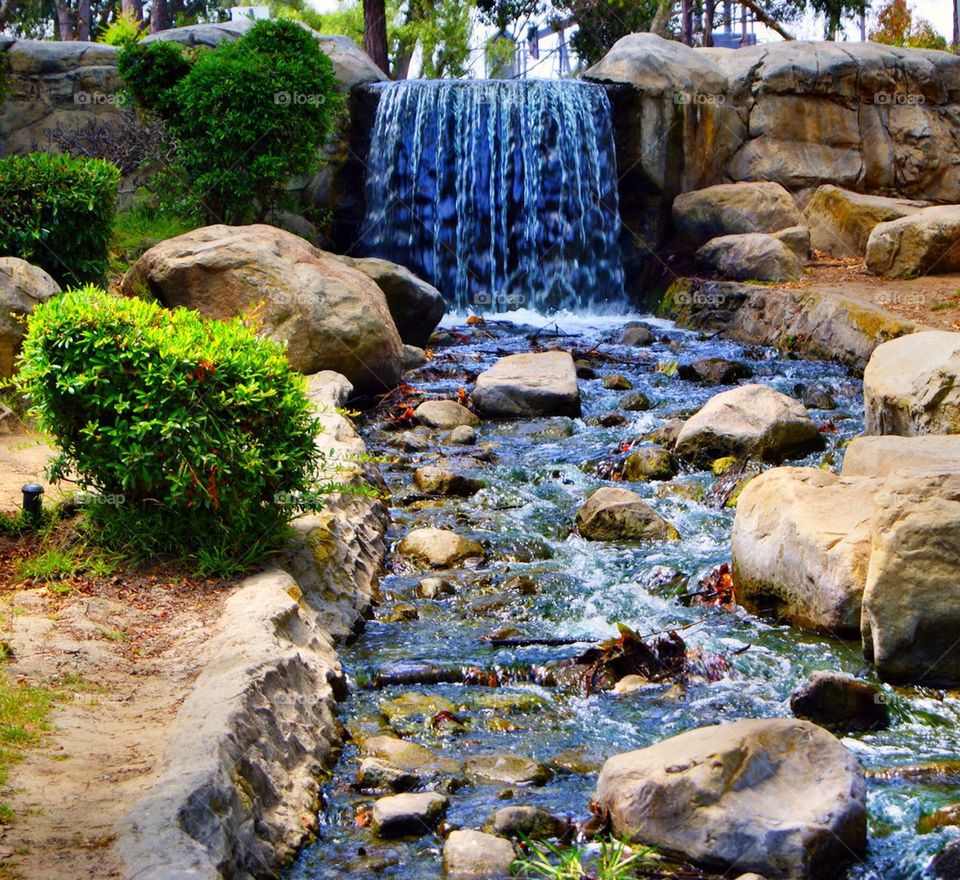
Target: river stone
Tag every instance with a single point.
(511, 769)
(892, 455)
(801, 546)
(375, 774)
(408, 815)
(434, 587)
(444, 415)
(714, 371)
(924, 243)
(732, 208)
(406, 755)
(533, 823)
(817, 398)
(412, 357)
(752, 420)
(617, 382)
(330, 316)
(474, 854)
(531, 384)
(945, 865)
(462, 435)
(439, 481)
(637, 335)
(911, 603)
(649, 463)
(415, 305)
(621, 515)
(636, 402)
(840, 703)
(778, 796)
(439, 548)
(749, 256)
(22, 288)
(912, 385)
(841, 221)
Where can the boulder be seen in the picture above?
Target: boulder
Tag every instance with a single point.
(649, 463)
(439, 548)
(797, 238)
(817, 398)
(840, 703)
(440, 481)
(407, 815)
(892, 455)
(533, 384)
(415, 305)
(474, 854)
(841, 221)
(751, 420)
(408, 756)
(22, 288)
(462, 435)
(330, 316)
(412, 357)
(508, 768)
(945, 865)
(375, 774)
(621, 515)
(912, 385)
(533, 823)
(911, 602)
(782, 797)
(617, 382)
(444, 415)
(924, 243)
(801, 546)
(732, 208)
(636, 402)
(749, 256)
(637, 334)
(714, 371)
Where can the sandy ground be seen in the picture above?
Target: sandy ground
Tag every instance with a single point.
(23, 458)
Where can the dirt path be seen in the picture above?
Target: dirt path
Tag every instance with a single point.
(23, 459)
(123, 650)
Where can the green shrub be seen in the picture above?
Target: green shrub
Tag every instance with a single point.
(124, 31)
(196, 435)
(247, 117)
(56, 212)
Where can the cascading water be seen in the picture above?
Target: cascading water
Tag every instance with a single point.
(500, 193)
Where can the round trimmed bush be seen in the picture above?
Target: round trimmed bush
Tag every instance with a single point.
(200, 428)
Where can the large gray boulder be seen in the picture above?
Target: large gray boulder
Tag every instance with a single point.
(751, 420)
(750, 256)
(732, 208)
(781, 797)
(801, 546)
(841, 221)
(22, 288)
(612, 514)
(529, 385)
(911, 602)
(330, 316)
(923, 243)
(911, 385)
(416, 306)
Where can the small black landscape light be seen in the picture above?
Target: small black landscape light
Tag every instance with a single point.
(32, 499)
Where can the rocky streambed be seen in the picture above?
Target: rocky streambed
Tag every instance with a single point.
(461, 685)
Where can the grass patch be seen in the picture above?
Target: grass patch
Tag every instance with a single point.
(614, 861)
(137, 230)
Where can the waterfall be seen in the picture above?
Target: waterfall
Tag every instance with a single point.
(503, 194)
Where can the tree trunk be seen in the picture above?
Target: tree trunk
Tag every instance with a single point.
(159, 19)
(956, 26)
(708, 11)
(375, 33)
(661, 21)
(64, 24)
(686, 22)
(83, 20)
(769, 22)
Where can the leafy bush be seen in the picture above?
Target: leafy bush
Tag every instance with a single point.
(124, 31)
(56, 212)
(247, 116)
(196, 435)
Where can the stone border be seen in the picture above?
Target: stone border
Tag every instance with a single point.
(239, 793)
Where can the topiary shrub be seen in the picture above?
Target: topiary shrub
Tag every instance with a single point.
(199, 428)
(247, 116)
(56, 212)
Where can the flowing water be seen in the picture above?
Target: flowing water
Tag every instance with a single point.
(538, 477)
(501, 194)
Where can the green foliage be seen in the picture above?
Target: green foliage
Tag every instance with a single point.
(56, 212)
(895, 26)
(615, 861)
(125, 30)
(196, 435)
(247, 116)
(138, 229)
(600, 23)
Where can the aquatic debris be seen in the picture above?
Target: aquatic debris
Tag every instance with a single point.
(628, 654)
(716, 590)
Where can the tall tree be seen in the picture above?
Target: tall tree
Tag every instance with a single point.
(375, 33)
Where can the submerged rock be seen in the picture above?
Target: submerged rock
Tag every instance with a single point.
(714, 371)
(637, 334)
(532, 384)
(408, 815)
(778, 796)
(840, 703)
(621, 515)
(617, 382)
(922, 243)
(945, 865)
(376, 774)
(750, 256)
(912, 385)
(533, 823)
(439, 548)
(751, 420)
(636, 402)
(511, 769)
(439, 481)
(649, 463)
(462, 435)
(444, 415)
(473, 854)
(406, 755)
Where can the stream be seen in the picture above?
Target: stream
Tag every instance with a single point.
(537, 475)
